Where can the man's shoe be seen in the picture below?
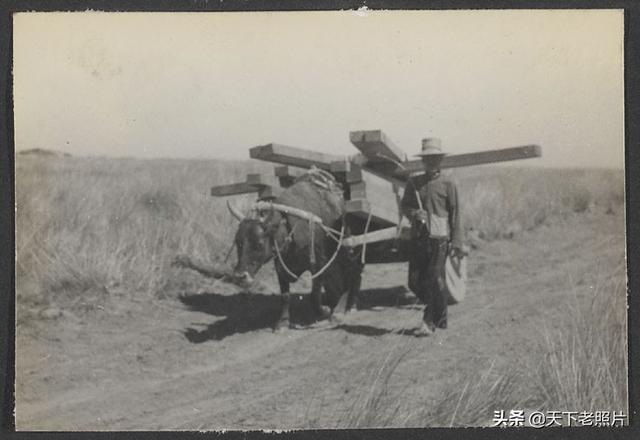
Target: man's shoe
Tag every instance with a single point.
(425, 330)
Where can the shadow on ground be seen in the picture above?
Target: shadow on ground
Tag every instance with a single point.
(245, 312)
(397, 296)
(369, 330)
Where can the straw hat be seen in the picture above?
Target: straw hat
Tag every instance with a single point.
(431, 147)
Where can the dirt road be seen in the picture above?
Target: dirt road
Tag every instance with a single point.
(208, 360)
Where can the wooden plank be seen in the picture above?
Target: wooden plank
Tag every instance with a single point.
(376, 146)
(478, 158)
(287, 175)
(380, 217)
(293, 156)
(346, 171)
(371, 237)
(258, 180)
(233, 189)
(268, 186)
(382, 168)
(341, 166)
(269, 192)
(265, 185)
(377, 195)
(287, 171)
(357, 190)
(385, 234)
(383, 192)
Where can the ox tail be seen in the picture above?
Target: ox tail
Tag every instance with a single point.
(217, 271)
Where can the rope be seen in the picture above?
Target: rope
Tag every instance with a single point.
(312, 250)
(335, 254)
(284, 266)
(318, 273)
(313, 220)
(329, 230)
(364, 245)
(229, 251)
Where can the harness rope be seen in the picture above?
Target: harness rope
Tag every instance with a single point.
(229, 251)
(284, 266)
(364, 245)
(312, 253)
(322, 179)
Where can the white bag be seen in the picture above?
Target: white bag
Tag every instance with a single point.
(456, 278)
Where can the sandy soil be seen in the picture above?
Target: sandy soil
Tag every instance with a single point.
(208, 359)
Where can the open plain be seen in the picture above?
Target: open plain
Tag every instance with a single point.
(109, 336)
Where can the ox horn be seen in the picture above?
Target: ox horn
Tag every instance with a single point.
(235, 212)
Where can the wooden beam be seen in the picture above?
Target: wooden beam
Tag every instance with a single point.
(287, 171)
(268, 186)
(378, 195)
(341, 166)
(346, 171)
(255, 183)
(381, 177)
(269, 192)
(380, 216)
(372, 237)
(376, 146)
(287, 175)
(478, 158)
(357, 190)
(296, 157)
(232, 189)
(259, 180)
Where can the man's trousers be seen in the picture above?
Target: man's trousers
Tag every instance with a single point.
(427, 278)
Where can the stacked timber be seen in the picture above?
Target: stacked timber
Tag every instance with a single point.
(373, 180)
(370, 193)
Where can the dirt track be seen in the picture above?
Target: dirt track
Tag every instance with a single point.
(208, 360)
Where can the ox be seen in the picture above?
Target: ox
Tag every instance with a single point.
(301, 230)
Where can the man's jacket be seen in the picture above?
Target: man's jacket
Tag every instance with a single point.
(439, 196)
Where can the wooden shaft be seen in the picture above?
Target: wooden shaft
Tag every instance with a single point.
(478, 158)
(297, 157)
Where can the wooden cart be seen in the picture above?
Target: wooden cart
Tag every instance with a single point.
(373, 181)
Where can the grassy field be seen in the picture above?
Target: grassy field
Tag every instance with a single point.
(87, 227)
(90, 223)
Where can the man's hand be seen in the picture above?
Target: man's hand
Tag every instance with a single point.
(420, 215)
(457, 252)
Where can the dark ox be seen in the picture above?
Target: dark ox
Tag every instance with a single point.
(260, 233)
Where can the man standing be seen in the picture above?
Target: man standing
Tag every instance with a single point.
(431, 203)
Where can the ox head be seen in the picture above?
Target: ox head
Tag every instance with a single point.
(254, 243)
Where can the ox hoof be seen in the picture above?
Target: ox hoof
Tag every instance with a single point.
(325, 312)
(280, 329)
(281, 326)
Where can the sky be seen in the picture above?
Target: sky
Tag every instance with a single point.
(212, 85)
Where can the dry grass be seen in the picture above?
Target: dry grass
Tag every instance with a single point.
(93, 225)
(87, 227)
(503, 202)
(579, 364)
(585, 362)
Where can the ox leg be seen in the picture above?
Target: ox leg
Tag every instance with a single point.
(335, 285)
(322, 311)
(283, 320)
(354, 276)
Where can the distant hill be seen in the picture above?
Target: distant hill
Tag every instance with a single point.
(43, 152)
